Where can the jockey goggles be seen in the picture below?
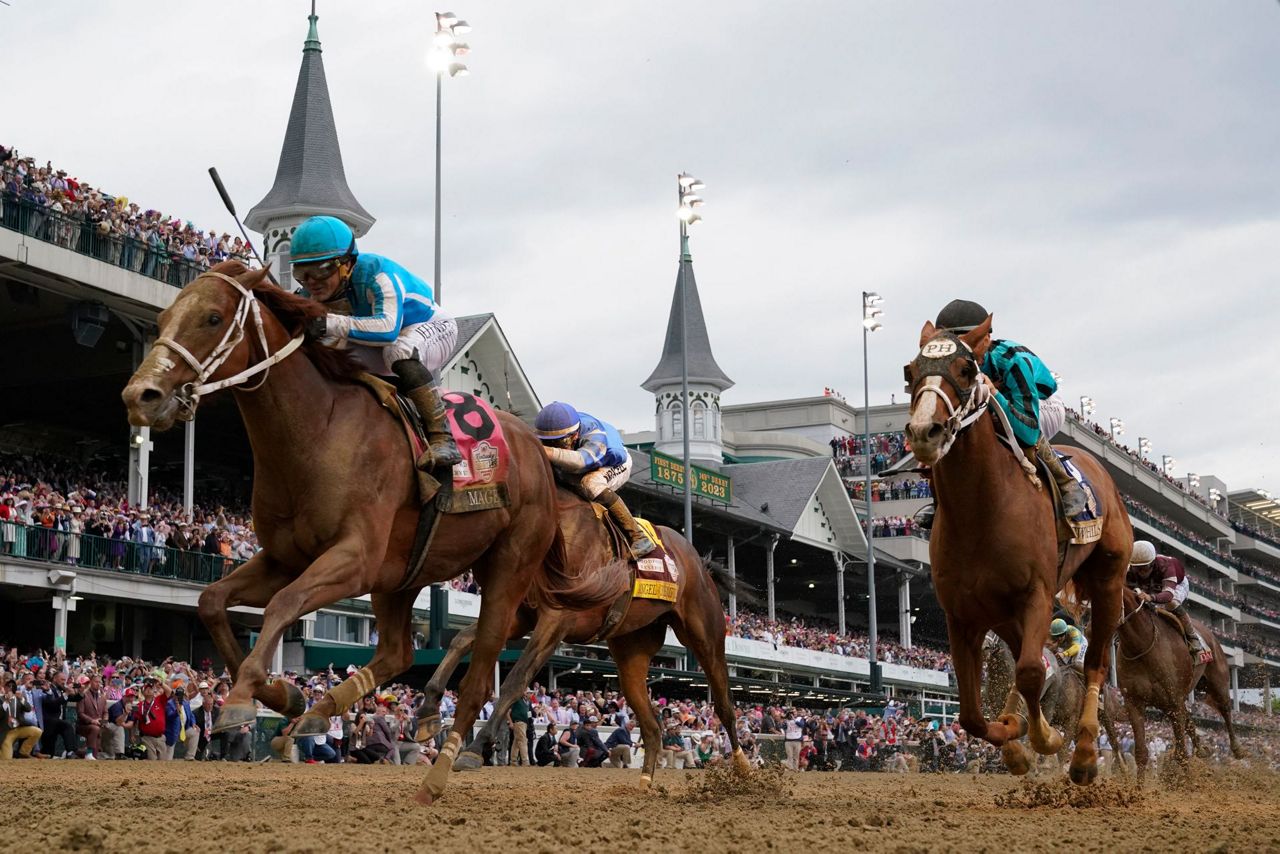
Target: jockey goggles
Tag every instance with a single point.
(304, 273)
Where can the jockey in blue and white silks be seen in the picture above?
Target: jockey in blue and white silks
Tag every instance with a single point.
(589, 454)
(393, 325)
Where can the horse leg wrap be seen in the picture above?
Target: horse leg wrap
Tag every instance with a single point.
(348, 692)
(1089, 714)
(438, 776)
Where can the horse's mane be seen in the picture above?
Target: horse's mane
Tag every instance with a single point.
(293, 312)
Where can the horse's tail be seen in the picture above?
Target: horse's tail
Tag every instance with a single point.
(730, 585)
(589, 589)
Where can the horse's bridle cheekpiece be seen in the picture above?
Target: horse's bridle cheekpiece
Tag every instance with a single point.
(934, 366)
(188, 397)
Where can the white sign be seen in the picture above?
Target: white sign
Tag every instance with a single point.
(938, 349)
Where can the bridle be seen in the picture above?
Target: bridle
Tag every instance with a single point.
(188, 397)
(1125, 616)
(934, 362)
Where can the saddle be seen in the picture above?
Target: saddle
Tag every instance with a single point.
(654, 576)
(1206, 654)
(1082, 530)
(476, 483)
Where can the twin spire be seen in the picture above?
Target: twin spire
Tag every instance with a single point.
(310, 179)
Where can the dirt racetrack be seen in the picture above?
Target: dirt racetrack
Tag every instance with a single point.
(181, 806)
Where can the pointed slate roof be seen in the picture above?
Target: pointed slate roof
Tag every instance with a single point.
(702, 365)
(310, 179)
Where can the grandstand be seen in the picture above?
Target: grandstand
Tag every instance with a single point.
(778, 499)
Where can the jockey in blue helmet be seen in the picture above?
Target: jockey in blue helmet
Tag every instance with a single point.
(393, 321)
(590, 455)
(1025, 389)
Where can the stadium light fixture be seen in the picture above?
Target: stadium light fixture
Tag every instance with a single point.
(1087, 406)
(687, 188)
(1117, 428)
(1193, 480)
(1144, 447)
(1167, 464)
(871, 314)
(443, 59)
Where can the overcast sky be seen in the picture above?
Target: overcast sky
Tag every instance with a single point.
(1101, 176)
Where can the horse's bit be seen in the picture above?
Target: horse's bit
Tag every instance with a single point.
(188, 397)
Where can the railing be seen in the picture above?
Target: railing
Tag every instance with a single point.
(151, 258)
(126, 556)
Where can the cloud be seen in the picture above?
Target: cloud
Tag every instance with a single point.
(1103, 179)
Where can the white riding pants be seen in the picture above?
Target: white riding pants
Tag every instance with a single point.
(433, 341)
(1053, 414)
(1181, 591)
(596, 482)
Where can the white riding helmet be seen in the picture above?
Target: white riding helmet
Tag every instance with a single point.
(1143, 553)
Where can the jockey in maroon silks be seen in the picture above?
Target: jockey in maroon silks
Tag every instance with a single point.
(1163, 580)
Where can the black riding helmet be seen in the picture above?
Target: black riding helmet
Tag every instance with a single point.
(960, 316)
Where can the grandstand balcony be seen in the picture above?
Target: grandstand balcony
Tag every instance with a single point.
(907, 549)
(1135, 478)
(64, 255)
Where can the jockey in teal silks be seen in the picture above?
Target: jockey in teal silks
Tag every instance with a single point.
(1027, 392)
(393, 327)
(589, 454)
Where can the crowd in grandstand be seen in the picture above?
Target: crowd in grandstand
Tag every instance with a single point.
(56, 510)
(891, 490)
(817, 634)
(49, 204)
(853, 453)
(897, 526)
(100, 707)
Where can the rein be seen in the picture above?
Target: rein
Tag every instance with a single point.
(188, 397)
(1124, 618)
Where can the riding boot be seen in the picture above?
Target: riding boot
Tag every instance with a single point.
(417, 384)
(641, 545)
(1074, 501)
(1193, 639)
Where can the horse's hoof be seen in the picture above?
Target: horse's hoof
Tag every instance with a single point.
(423, 797)
(1083, 775)
(294, 703)
(468, 761)
(310, 725)
(1015, 758)
(235, 716)
(428, 728)
(282, 744)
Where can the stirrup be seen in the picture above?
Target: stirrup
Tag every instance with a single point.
(442, 450)
(642, 546)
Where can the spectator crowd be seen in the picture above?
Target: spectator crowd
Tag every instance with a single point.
(817, 634)
(56, 510)
(52, 205)
(853, 453)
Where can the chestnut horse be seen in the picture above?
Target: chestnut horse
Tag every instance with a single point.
(697, 617)
(994, 551)
(1154, 669)
(335, 498)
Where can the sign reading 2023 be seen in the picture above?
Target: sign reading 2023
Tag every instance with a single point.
(709, 484)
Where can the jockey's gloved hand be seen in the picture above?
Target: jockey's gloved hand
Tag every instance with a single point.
(316, 328)
(981, 391)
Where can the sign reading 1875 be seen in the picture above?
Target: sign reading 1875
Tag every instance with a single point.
(670, 471)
